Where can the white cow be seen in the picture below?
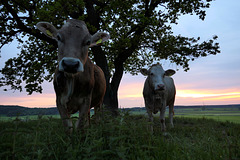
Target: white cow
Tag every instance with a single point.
(158, 92)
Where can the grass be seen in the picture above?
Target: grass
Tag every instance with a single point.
(218, 114)
(124, 137)
(221, 118)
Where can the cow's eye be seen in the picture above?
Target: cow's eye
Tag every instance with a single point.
(59, 38)
(88, 43)
(151, 74)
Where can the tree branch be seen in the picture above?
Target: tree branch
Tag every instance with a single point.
(98, 3)
(24, 28)
(126, 53)
(9, 34)
(11, 18)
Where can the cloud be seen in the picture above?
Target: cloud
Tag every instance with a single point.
(196, 92)
(36, 100)
(217, 97)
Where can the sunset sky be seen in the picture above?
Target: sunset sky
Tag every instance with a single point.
(211, 80)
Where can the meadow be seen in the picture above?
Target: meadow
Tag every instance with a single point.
(124, 137)
(222, 114)
(218, 114)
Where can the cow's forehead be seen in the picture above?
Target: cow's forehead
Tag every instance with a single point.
(157, 69)
(72, 25)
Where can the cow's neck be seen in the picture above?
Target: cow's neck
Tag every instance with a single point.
(158, 100)
(65, 82)
(69, 91)
(158, 95)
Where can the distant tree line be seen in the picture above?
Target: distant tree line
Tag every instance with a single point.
(12, 111)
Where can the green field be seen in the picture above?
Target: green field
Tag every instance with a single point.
(125, 137)
(218, 114)
(213, 133)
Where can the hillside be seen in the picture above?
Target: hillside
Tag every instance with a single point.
(10, 111)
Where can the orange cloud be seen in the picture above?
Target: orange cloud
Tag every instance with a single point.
(36, 100)
(131, 91)
(188, 97)
(131, 95)
(206, 93)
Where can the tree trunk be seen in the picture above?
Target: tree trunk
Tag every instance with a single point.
(111, 100)
(111, 96)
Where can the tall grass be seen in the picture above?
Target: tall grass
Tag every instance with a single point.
(124, 137)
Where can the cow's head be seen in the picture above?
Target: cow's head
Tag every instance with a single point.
(156, 76)
(73, 40)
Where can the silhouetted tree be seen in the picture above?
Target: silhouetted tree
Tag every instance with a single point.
(140, 34)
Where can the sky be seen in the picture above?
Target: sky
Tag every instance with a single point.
(212, 80)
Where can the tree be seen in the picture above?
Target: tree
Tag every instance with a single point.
(140, 33)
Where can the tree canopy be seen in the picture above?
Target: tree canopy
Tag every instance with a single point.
(140, 33)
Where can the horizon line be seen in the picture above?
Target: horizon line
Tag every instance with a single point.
(133, 107)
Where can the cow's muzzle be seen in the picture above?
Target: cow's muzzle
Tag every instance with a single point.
(160, 87)
(70, 65)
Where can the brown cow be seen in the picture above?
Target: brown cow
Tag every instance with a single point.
(158, 92)
(79, 84)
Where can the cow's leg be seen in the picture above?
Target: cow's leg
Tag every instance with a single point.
(83, 114)
(162, 117)
(83, 119)
(150, 119)
(171, 114)
(97, 112)
(65, 116)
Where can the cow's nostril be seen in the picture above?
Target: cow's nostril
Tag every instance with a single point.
(70, 66)
(76, 65)
(63, 63)
(160, 87)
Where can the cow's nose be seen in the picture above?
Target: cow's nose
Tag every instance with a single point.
(160, 87)
(70, 66)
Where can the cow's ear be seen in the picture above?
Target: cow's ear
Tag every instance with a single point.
(144, 71)
(169, 72)
(99, 38)
(48, 29)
